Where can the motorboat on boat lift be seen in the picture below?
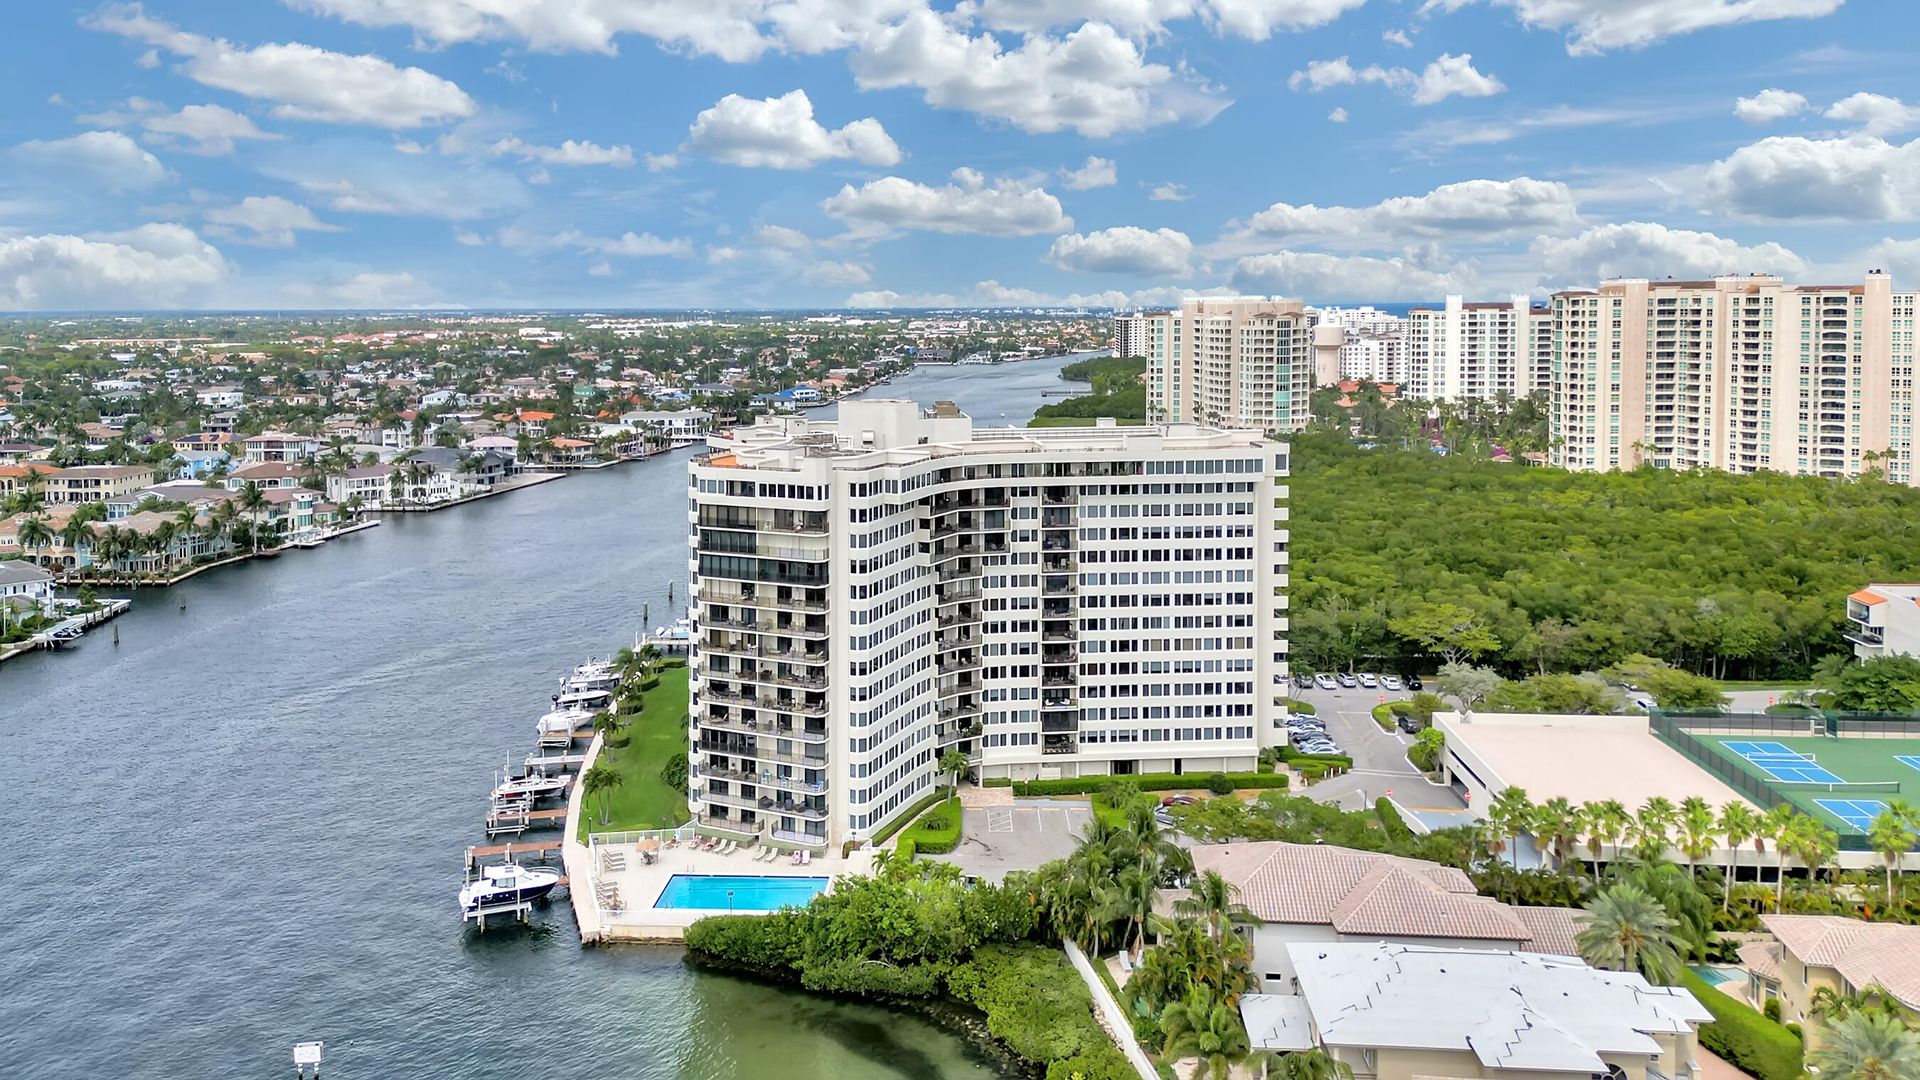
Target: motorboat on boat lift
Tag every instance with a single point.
(534, 785)
(508, 883)
(569, 698)
(560, 720)
(592, 675)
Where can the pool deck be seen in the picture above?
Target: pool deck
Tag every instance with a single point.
(640, 884)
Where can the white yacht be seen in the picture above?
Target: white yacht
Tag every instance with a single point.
(509, 883)
(534, 785)
(565, 720)
(571, 698)
(595, 674)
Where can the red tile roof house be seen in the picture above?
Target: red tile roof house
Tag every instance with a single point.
(1318, 893)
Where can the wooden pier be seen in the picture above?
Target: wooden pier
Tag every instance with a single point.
(478, 854)
(513, 820)
(556, 763)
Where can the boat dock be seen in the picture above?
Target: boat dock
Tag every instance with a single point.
(513, 820)
(478, 854)
(556, 763)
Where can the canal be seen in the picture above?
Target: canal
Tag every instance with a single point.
(240, 825)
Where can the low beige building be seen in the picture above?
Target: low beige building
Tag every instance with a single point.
(96, 483)
(1396, 1012)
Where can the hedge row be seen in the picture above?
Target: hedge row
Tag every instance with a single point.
(1397, 831)
(1383, 716)
(1151, 782)
(913, 811)
(1293, 757)
(1752, 1042)
(1304, 708)
(937, 832)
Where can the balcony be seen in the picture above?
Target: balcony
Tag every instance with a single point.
(1060, 656)
(810, 631)
(745, 651)
(728, 798)
(960, 618)
(730, 517)
(1058, 586)
(727, 828)
(1059, 744)
(808, 840)
(769, 677)
(768, 600)
(1060, 724)
(745, 701)
(789, 807)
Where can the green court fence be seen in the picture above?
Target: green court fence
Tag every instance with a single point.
(1682, 731)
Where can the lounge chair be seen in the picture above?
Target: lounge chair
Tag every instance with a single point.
(729, 848)
(769, 855)
(796, 858)
(806, 858)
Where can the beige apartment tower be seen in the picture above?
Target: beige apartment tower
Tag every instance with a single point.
(1741, 373)
(1231, 362)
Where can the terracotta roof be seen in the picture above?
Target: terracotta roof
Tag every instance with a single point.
(1864, 953)
(1554, 929)
(1762, 958)
(1867, 596)
(1367, 894)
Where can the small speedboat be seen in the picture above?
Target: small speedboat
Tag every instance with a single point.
(509, 883)
(534, 785)
(581, 699)
(565, 720)
(592, 675)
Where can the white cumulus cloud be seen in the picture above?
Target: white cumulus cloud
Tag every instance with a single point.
(1337, 278)
(305, 82)
(570, 152)
(967, 205)
(1877, 114)
(723, 28)
(1643, 249)
(1449, 76)
(107, 158)
(1594, 26)
(1769, 105)
(1096, 173)
(153, 266)
(267, 220)
(1862, 178)
(211, 130)
(1472, 209)
(1126, 249)
(1454, 76)
(781, 133)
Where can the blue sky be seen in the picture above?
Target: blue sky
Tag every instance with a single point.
(740, 153)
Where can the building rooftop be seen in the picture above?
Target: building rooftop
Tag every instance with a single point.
(1369, 894)
(1865, 954)
(19, 572)
(1511, 1010)
(1618, 756)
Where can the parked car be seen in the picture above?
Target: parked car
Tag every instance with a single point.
(1324, 681)
(1644, 703)
(1369, 680)
(1413, 683)
(1409, 724)
(1304, 682)
(1178, 800)
(1390, 682)
(1347, 680)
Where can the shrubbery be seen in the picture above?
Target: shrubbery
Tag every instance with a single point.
(1220, 784)
(902, 820)
(1753, 1043)
(937, 833)
(1155, 782)
(1035, 1002)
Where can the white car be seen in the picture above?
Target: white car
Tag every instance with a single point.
(1369, 681)
(1324, 681)
(1389, 682)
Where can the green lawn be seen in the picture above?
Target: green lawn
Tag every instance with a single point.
(654, 735)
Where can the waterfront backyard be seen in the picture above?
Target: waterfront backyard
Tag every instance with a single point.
(650, 739)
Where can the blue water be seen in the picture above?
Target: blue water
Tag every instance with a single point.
(714, 892)
(1714, 976)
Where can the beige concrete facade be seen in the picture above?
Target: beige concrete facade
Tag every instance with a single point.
(1231, 362)
(1741, 373)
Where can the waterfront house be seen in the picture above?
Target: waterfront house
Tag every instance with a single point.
(682, 427)
(568, 452)
(16, 453)
(200, 464)
(220, 397)
(1320, 893)
(24, 585)
(201, 442)
(223, 421)
(94, 483)
(267, 474)
(1809, 953)
(281, 446)
(368, 483)
(1394, 1012)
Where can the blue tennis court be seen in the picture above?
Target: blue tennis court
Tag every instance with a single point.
(1783, 764)
(1856, 813)
(1909, 760)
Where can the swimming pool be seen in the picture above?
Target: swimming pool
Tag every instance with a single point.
(719, 892)
(1714, 976)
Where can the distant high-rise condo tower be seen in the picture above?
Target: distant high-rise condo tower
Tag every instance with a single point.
(1231, 362)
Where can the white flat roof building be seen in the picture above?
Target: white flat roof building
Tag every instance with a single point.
(1394, 1012)
(1462, 350)
(1886, 620)
(872, 592)
(1231, 362)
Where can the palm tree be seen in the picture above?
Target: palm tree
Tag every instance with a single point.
(76, 531)
(952, 763)
(1560, 823)
(1314, 1064)
(1138, 888)
(1625, 929)
(1607, 823)
(34, 533)
(1867, 1046)
(1697, 824)
(1811, 842)
(1204, 1026)
(253, 500)
(1511, 814)
(1738, 824)
(600, 782)
(1214, 901)
(1653, 827)
(1892, 836)
(607, 724)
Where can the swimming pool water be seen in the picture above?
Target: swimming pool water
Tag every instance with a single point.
(716, 892)
(1714, 976)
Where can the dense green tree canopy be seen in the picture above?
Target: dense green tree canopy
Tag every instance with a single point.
(1729, 576)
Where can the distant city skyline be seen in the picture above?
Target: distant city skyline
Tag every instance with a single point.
(594, 154)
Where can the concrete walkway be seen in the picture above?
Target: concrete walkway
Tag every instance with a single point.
(1111, 1015)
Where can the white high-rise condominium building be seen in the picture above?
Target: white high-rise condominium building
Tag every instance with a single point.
(1463, 350)
(875, 591)
(1231, 362)
(1740, 373)
(1374, 355)
(1131, 334)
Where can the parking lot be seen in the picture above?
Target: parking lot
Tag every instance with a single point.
(1001, 839)
(1379, 757)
